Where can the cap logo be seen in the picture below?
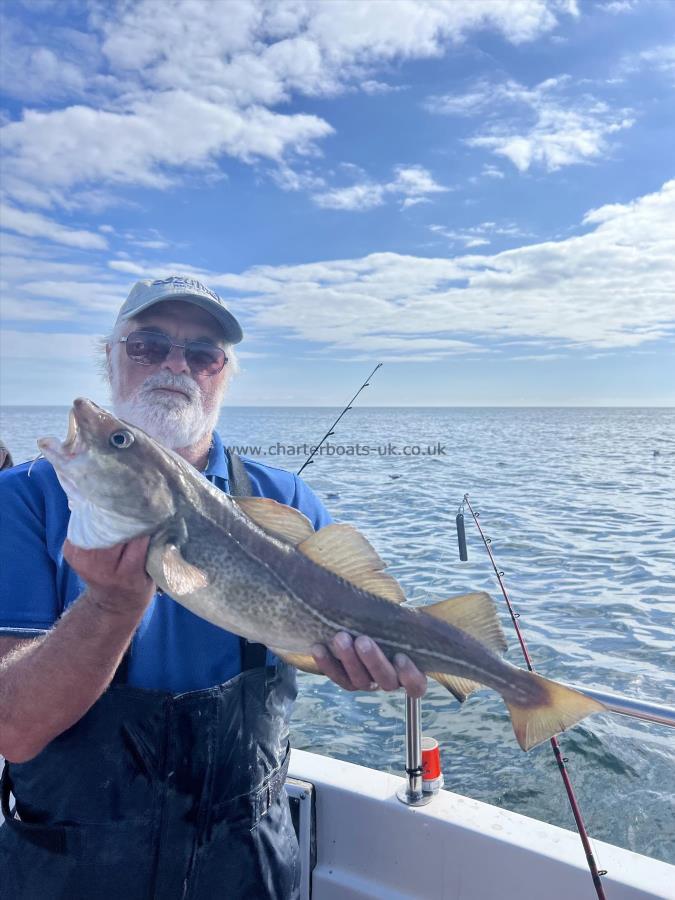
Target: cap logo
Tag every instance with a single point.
(189, 285)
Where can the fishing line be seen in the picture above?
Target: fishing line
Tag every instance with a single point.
(30, 467)
(559, 758)
(310, 458)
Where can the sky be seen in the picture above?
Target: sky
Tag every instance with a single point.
(480, 194)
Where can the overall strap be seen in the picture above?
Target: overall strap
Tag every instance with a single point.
(122, 672)
(253, 656)
(240, 483)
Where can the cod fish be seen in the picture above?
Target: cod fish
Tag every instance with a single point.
(257, 568)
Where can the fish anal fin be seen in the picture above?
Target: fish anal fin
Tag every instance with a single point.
(346, 552)
(474, 613)
(458, 687)
(283, 522)
(180, 576)
(299, 660)
(560, 708)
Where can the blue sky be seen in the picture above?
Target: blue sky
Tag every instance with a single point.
(477, 193)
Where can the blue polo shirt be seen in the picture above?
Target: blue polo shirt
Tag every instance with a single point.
(172, 649)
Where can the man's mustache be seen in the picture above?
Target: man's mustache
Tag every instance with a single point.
(182, 383)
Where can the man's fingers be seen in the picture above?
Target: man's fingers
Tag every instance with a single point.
(376, 663)
(135, 552)
(106, 557)
(342, 646)
(410, 677)
(331, 667)
(360, 665)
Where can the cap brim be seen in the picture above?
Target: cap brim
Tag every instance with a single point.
(231, 327)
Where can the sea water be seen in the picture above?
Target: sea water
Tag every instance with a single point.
(580, 507)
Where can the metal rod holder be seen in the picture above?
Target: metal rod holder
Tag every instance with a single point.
(411, 793)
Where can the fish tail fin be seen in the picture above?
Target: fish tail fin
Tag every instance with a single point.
(550, 709)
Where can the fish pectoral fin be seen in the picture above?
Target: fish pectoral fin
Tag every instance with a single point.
(560, 708)
(299, 660)
(180, 576)
(458, 687)
(345, 551)
(283, 522)
(474, 613)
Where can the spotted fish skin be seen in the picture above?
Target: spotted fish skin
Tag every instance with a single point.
(257, 568)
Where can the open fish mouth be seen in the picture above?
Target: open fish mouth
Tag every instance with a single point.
(63, 451)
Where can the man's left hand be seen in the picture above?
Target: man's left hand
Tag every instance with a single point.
(360, 665)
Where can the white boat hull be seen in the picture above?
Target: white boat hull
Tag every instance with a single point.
(370, 845)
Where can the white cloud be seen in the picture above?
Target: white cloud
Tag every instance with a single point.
(153, 245)
(87, 297)
(474, 101)
(131, 268)
(33, 72)
(55, 346)
(413, 183)
(478, 235)
(77, 144)
(31, 224)
(609, 288)
(33, 311)
(661, 58)
(616, 7)
(189, 86)
(372, 86)
(541, 126)
(490, 171)
(355, 197)
(541, 357)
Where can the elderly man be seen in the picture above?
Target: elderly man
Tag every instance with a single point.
(147, 748)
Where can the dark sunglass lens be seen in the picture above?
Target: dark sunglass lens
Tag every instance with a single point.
(147, 348)
(203, 358)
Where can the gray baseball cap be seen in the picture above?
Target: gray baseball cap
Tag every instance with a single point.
(145, 294)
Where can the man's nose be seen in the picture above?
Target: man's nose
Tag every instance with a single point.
(176, 362)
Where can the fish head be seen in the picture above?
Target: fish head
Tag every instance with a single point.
(117, 478)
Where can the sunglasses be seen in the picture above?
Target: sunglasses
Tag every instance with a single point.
(149, 348)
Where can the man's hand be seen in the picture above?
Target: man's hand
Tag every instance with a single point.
(360, 665)
(115, 576)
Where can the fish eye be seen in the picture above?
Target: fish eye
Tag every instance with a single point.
(121, 439)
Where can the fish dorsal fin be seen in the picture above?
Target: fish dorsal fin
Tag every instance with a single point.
(281, 521)
(346, 552)
(180, 576)
(474, 613)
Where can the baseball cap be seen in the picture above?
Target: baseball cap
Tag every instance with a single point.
(145, 294)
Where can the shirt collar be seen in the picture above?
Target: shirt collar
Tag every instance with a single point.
(216, 466)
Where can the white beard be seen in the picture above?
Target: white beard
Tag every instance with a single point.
(171, 419)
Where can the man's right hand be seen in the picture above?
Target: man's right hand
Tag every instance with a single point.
(115, 576)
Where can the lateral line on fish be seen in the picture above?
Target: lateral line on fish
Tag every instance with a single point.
(325, 620)
(331, 623)
(311, 611)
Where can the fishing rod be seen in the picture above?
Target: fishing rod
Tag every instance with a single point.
(310, 458)
(559, 758)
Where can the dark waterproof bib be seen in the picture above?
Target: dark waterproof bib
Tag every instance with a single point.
(154, 796)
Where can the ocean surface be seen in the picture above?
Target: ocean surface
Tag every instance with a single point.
(580, 506)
